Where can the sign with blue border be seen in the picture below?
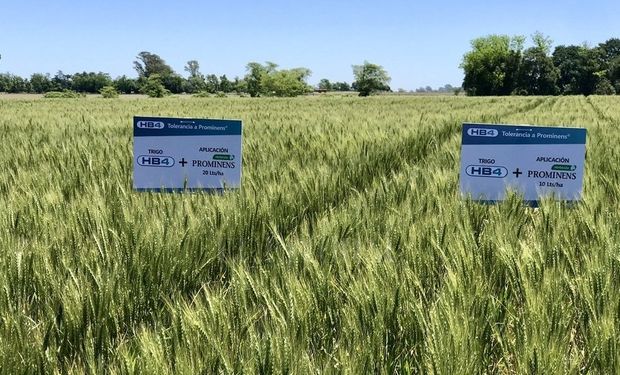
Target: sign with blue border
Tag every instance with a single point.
(534, 161)
(186, 153)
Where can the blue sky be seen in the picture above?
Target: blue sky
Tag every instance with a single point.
(418, 42)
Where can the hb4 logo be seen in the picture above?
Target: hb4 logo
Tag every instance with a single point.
(482, 132)
(151, 124)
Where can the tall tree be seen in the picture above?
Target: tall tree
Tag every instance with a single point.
(492, 65)
(370, 78)
(609, 70)
(341, 86)
(542, 42)
(153, 87)
(537, 74)
(239, 85)
(609, 50)
(40, 83)
(149, 63)
(126, 85)
(13, 84)
(225, 84)
(4, 82)
(196, 80)
(254, 76)
(267, 80)
(324, 84)
(604, 86)
(173, 83)
(212, 83)
(614, 74)
(193, 68)
(90, 82)
(286, 82)
(61, 81)
(577, 67)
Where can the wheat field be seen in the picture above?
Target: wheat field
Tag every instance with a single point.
(347, 250)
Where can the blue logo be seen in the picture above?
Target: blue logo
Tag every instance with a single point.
(486, 171)
(155, 161)
(482, 132)
(151, 125)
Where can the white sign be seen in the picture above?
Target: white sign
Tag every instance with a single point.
(534, 161)
(179, 153)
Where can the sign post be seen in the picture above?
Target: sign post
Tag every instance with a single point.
(174, 154)
(534, 161)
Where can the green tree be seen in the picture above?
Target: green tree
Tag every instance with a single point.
(239, 85)
(614, 74)
(492, 65)
(126, 85)
(196, 80)
(193, 68)
(108, 92)
(153, 87)
(173, 83)
(269, 81)
(40, 83)
(254, 76)
(193, 85)
(341, 86)
(212, 84)
(13, 84)
(577, 67)
(148, 64)
(609, 60)
(609, 50)
(604, 87)
(324, 84)
(537, 73)
(542, 42)
(3, 82)
(61, 81)
(446, 88)
(286, 83)
(225, 84)
(90, 82)
(370, 78)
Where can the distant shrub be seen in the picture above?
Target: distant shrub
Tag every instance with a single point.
(66, 94)
(202, 94)
(220, 94)
(108, 92)
(53, 94)
(154, 88)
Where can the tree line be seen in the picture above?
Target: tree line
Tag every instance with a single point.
(156, 78)
(496, 65)
(500, 65)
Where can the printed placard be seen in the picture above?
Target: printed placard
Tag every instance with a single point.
(534, 161)
(185, 153)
